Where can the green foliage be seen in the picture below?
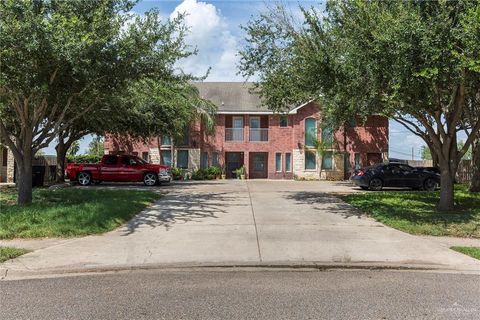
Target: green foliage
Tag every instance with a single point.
(426, 154)
(84, 158)
(74, 148)
(209, 173)
(7, 253)
(469, 251)
(415, 212)
(70, 212)
(95, 147)
(240, 171)
(176, 173)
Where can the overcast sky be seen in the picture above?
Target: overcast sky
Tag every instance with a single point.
(215, 31)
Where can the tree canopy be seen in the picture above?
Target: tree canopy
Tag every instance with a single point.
(67, 67)
(417, 62)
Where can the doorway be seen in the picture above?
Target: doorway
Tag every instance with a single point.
(258, 164)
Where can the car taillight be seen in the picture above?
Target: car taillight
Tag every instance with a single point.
(360, 173)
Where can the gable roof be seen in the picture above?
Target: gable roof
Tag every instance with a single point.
(234, 97)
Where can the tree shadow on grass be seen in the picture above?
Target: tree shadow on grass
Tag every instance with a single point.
(182, 208)
(325, 202)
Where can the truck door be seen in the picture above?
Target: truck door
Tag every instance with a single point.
(110, 168)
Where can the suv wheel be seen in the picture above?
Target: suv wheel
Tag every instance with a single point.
(150, 179)
(84, 178)
(376, 184)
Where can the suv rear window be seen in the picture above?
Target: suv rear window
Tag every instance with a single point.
(111, 160)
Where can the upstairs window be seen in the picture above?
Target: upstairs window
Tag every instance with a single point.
(327, 136)
(166, 141)
(310, 131)
(283, 121)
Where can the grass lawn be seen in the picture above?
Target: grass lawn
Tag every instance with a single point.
(469, 251)
(414, 212)
(69, 212)
(7, 253)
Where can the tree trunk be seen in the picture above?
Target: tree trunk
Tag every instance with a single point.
(475, 180)
(446, 191)
(61, 149)
(24, 177)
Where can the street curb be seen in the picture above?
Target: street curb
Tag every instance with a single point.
(12, 274)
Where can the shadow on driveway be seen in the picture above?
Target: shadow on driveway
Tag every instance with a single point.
(182, 208)
(322, 201)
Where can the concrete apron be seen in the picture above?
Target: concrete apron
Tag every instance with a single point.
(238, 223)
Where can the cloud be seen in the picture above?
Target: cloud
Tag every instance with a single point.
(210, 34)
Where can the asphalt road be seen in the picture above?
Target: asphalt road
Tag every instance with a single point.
(350, 294)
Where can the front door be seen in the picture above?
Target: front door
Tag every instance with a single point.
(234, 161)
(258, 165)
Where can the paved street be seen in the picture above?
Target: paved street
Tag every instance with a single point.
(245, 222)
(245, 295)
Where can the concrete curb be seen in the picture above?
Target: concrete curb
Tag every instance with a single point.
(12, 274)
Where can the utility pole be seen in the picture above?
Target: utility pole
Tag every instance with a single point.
(412, 154)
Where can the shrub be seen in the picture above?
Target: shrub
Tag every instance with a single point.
(83, 158)
(176, 173)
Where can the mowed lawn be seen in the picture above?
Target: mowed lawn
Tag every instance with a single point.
(414, 212)
(69, 212)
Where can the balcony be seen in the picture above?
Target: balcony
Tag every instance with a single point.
(233, 134)
(258, 134)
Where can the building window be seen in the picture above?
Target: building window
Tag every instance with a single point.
(283, 121)
(166, 141)
(327, 136)
(4, 157)
(288, 162)
(145, 156)
(310, 131)
(184, 141)
(166, 157)
(310, 160)
(182, 159)
(327, 161)
(357, 161)
(204, 160)
(278, 162)
(215, 159)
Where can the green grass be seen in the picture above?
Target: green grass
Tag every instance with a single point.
(473, 252)
(7, 253)
(415, 212)
(69, 212)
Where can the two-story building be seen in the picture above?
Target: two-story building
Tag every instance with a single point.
(269, 145)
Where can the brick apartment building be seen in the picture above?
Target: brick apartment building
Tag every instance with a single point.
(269, 145)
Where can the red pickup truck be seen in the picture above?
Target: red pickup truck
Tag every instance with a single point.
(119, 168)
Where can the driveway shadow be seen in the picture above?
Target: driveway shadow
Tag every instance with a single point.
(324, 202)
(182, 208)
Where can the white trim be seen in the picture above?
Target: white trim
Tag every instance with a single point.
(294, 110)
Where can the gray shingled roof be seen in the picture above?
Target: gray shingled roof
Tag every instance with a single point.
(231, 96)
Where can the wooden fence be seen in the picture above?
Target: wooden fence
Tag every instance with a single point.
(464, 172)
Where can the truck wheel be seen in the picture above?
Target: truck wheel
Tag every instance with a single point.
(84, 178)
(150, 179)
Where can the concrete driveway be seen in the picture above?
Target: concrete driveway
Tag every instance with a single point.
(251, 222)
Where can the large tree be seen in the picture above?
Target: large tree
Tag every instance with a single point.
(64, 62)
(417, 62)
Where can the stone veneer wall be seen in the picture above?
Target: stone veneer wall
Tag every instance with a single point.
(10, 166)
(299, 171)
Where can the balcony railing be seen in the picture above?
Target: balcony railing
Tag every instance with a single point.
(258, 134)
(233, 134)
